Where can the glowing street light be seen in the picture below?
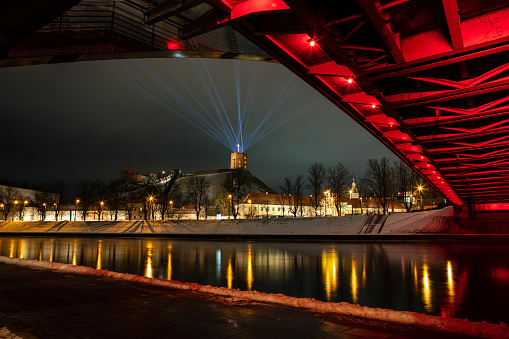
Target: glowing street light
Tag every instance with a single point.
(171, 207)
(250, 209)
(420, 196)
(349, 80)
(101, 205)
(230, 205)
(76, 202)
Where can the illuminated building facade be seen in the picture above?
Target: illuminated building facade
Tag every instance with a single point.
(238, 160)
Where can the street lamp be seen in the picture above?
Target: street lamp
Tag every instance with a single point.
(44, 211)
(22, 215)
(76, 208)
(250, 209)
(15, 206)
(420, 196)
(230, 205)
(2, 206)
(101, 205)
(351, 200)
(151, 206)
(171, 208)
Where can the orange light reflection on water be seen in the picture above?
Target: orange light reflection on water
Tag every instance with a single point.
(329, 267)
(249, 269)
(148, 261)
(229, 274)
(426, 288)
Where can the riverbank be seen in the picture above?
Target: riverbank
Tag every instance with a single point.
(61, 301)
(429, 222)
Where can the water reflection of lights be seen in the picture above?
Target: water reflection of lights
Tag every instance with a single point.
(249, 269)
(169, 270)
(426, 292)
(74, 250)
(52, 249)
(99, 253)
(218, 263)
(11, 248)
(329, 266)
(416, 278)
(354, 281)
(450, 282)
(229, 274)
(22, 248)
(148, 261)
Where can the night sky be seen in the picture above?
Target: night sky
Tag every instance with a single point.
(86, 120)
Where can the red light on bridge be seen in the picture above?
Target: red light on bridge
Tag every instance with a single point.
(311, 42)
(349, 80)
(373, 106)
(173, 45)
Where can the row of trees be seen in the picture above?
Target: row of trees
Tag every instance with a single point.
(13, 201)
(150, 199)
(383, 180)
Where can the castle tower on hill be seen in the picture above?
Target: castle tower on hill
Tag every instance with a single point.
(238, 160)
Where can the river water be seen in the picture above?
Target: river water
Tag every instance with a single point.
(455, 279)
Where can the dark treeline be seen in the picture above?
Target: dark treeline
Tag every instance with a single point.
(383, 180)
(160, 198)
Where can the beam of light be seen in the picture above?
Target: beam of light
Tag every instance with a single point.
(234, 107)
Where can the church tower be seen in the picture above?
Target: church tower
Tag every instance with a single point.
(354, 193)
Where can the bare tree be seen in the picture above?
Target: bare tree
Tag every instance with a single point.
(316, 179)
(41, 200)
(98, 190)
(298, 187)
(197, 193)
(237, 185)
(7, 198)
(265, 206)
(405, 180)
(363, 191)
(282, 203)
(164, 196)
(293, 194)
(378, 178)
(114, 196)
(58, 196)
(338, 176)
(85, 197)
(223, 202)
(129, 199)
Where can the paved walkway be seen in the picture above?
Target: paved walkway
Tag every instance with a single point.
(46, 304)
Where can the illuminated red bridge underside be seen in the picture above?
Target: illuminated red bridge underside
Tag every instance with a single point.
(436, 97)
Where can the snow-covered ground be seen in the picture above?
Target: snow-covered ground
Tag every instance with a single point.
(437, 221)
(484, 330)
(273, 226)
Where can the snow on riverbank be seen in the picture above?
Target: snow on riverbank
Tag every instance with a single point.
(437, 221)
(273, 226)
(484, 330)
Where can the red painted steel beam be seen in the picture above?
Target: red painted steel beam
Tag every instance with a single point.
(390, 39)
(493, 86)
(440, 60)
(453, 23)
